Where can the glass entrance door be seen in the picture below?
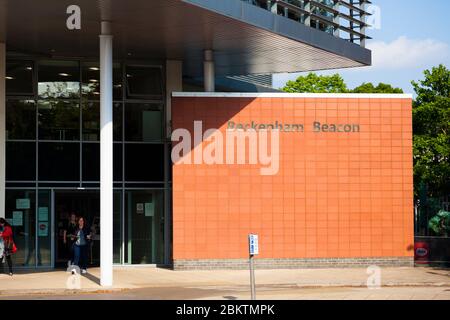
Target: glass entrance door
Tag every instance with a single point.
(144, 227)
(84, 204)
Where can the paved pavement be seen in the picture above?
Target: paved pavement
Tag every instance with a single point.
(156, 283)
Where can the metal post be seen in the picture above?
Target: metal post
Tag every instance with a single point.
(253, 248)
(252, 278)
(208, 71)
(106, 155)
(2, 128)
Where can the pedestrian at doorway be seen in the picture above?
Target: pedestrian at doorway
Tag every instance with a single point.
(80, 248)
(70, 236)
(9, 247)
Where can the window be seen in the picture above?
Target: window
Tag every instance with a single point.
(144, 162)
(19, 78)
(90, 87)
(144, 82)
(143, 122)
(59, 161)
(20, 120)
(59, 79)
(20, 161)
(91, 121)
(59, 120)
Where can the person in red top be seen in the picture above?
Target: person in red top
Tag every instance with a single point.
(7, 235)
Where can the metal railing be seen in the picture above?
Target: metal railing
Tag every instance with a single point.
(343, 19)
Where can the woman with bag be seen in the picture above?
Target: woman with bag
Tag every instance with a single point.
(9, 247)
(80, 247)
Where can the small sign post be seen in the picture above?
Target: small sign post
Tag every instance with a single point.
(253, 250)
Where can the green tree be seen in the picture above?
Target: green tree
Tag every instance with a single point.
(380, 88)
(431, 121)
(314, 83)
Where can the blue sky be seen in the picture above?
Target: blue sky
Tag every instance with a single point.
(414, 35)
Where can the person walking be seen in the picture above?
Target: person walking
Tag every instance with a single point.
(9, 247)
(80, 248)
(69, 236)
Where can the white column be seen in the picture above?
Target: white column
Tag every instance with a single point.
(208, 71)
(2, 128)
(106, 156)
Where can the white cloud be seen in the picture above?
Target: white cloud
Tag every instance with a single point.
(405, 53)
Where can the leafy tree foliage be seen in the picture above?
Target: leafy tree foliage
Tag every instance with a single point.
(431, 118)
(380, 88)
(313, 83)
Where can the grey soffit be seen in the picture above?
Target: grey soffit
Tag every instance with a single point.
(245, 39)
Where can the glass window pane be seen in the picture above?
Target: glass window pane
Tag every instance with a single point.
(20, 208)
(144, 82)
(144, 227)
(91, 162)
(59, 79)
(20, 119)
(117, 121)
(44, 251)
(143, 122)
(20, 161)
(144, 162)
(59, 120)
(117, 229)
(59, 161)
(91, 121)
(19, 78)
(117, 162)
(91, 81)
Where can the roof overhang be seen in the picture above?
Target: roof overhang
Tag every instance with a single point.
(245, 39)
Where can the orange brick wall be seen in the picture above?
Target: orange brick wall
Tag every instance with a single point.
(343, 195)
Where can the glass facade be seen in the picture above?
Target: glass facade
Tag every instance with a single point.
(53, 145)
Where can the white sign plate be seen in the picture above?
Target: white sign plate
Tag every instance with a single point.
(253, 244)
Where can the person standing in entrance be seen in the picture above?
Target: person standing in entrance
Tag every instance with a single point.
(80, 248)
(6, 234)
(69, 236)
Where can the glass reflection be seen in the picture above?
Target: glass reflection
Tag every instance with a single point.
(59, 79)
(19, 78)
(59, 120)
(20, 120)
(91, 121)
(91, 81)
